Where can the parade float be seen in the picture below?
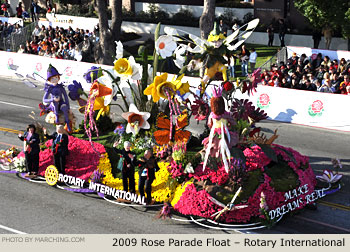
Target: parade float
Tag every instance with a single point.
(232, 176)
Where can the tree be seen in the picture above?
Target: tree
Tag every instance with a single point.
(105, 49)
(206, 22)
(320, 13)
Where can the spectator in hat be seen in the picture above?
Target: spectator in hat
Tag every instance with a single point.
(31, 143)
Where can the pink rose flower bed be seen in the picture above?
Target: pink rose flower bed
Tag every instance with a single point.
(198, 203)
(81, 162)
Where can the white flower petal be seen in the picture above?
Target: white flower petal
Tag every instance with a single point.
(119, 49)
(129, 129)
(133, 108)
(145, 125)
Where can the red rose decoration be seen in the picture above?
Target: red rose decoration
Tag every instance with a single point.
(317, 106)
(264, 99)
(228, 86)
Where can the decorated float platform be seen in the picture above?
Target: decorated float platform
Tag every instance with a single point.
(230, 177)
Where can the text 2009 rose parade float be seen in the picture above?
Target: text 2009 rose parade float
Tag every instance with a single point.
(231, 175)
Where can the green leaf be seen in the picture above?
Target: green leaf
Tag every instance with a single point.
(269, 152)
(237, 154)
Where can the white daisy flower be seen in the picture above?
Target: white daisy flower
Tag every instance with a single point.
(165, 46)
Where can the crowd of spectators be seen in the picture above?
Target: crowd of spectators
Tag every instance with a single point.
(61, 43)
(319, 74)
(6, 29)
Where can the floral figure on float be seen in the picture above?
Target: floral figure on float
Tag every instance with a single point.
(231, 173)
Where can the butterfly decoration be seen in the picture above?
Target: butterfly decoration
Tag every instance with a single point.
(171, 133)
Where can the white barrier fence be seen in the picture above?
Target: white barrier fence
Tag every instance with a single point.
(28, 64)
(332, 54)
(287, 105)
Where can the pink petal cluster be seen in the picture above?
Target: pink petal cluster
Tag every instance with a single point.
(81, 162)
(193, 202)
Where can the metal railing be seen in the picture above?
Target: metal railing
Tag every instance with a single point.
(15, 39)
(280, 56)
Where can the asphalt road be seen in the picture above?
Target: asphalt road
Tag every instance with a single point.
(37, 208)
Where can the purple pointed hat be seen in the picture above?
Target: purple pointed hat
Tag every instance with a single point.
(52, 71)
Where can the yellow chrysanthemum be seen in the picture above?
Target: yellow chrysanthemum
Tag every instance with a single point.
(123, 67)
(160, 190)
(178, 192)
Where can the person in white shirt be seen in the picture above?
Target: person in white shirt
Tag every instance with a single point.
(36, 31)
(252, 59)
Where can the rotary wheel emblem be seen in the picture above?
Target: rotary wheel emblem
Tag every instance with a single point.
(51, 175)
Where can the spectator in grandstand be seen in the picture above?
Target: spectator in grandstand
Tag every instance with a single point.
(270, 35)
(327, 33)
(295, 84)
(17, 29)
(342, 65)
(320, 73)
(318, 85)
(317, 62)
(21, 49)
(86, 49)
(266, 80)
(294, 59)
(6, 29)
(326, 61)
(252, 59)
(327, 87)
(285, 83)
(308, 86)
(312, 78)
(344, 85)
(36, 31)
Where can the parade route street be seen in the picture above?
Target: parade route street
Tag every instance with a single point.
(36, 208)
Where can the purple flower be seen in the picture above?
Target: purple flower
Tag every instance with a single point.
(97, 176)
(75, 90)
(120, 129)
(91, 75)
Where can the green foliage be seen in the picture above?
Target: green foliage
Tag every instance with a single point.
(184, 17)
(250, 183)
(321, 13)
(104, 124)
(283, 178)
(247, 18)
